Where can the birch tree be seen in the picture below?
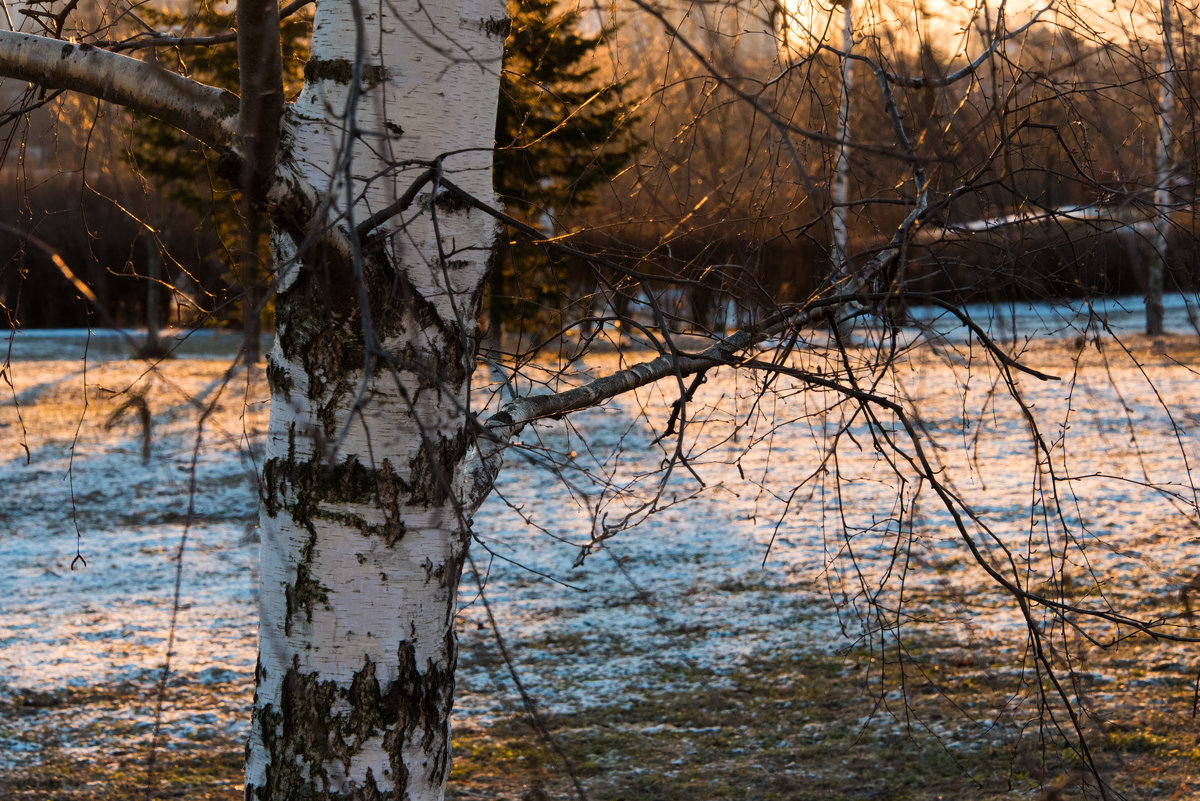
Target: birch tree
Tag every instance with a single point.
(366, 486)
(1156, 268)
(841, 167)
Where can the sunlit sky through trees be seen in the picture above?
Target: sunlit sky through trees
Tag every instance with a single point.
(956, 30)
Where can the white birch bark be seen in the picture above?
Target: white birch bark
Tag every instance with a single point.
(841, 169)
(362, 537)
(204, 112)
(1156, 267)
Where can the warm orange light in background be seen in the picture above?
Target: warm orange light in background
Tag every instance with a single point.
(957, 31)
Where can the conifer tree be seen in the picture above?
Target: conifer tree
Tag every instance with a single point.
(561, 132)
(161, 152)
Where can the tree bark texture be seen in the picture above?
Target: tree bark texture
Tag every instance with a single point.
(363, 533)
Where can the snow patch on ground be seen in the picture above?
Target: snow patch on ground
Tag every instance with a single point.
(782, 547)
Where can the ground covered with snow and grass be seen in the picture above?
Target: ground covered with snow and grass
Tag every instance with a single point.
(787, 611)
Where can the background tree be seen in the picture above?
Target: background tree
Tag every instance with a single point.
(72, 191)
(1163, 175)
(167, 157)
(562, 131)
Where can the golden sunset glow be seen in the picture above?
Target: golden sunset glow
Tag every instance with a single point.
(959, 31)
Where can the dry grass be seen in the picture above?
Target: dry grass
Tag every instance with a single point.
(947, 723)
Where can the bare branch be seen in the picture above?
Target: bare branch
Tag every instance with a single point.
(162, 40)
(201, 111)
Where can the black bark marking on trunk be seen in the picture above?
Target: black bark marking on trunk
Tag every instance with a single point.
(496, 26)
(291, 735)
(310, 731)
(273, 481)
(424, 700)
(341, 70)
(439, 369)
(319, 723)
(303, 487)
(320, 325)
(434, 571)
(433, 468)
(278, 378)
(306, 592)
(451, 203)
(390, 489)
(366, 716)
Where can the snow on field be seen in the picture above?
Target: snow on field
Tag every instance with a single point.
(801, 536)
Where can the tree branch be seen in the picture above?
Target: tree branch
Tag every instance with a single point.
(204, 112)
(201, 111)
(483, 464)
(163, 40)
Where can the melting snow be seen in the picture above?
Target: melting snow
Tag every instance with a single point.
(781, 548)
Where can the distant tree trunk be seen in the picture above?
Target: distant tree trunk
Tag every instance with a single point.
(841, 169)
(496, 305)
(251, 326)
(1156, 268)
(363, 530)
(260, 85)
(153, 347)
(251, 301)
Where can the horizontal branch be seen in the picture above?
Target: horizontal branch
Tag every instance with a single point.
(204, 112)
(484, 463)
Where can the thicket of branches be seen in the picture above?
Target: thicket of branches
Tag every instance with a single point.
(716, 155)
(976, 117)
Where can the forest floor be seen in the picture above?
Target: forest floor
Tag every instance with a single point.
(773, 633)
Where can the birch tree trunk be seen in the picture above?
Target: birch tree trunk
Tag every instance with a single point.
(366, 488)
(1156, 267)
(363, 537)
(841, 169)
